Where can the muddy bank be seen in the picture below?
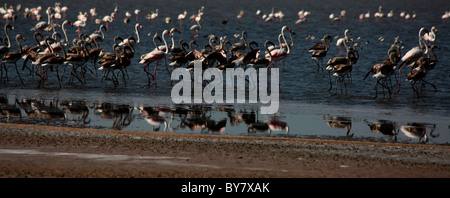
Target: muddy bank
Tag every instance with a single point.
(29, 151)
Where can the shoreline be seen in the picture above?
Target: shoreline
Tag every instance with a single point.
(31, 151)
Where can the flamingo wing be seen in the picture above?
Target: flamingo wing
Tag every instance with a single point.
(413, 54)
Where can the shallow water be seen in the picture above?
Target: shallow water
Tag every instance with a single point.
(307, 110)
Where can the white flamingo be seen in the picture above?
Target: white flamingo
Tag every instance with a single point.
(155, 55)
(340, 42)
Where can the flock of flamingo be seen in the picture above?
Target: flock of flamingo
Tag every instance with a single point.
(84, 53)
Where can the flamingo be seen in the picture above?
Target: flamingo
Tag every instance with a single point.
(412, 55)
(338, 60)
(64, 29)
(280, 53)
(163, 47)
(109, 65)
(79, 24)
(422, 67)
(379, 13)
(262, 62)
(53, 61)
(137, 12)
(107, 19)
(240, 45)
(342, 69)
(155, 55)
(98, 34)
(340, 42)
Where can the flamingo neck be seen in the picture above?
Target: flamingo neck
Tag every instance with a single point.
(165, 43)
(173, 43)
(18, 43)
(287, 45)
(154, 42)
(64, 31)
(7, 37)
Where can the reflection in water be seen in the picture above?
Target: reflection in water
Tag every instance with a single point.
(51, 110)
(8, 109)
(419, 131)
(384, 127)
(192, 118)
(269, 125)
(340, 123)
(153, 117)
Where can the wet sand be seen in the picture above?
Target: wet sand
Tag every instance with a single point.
(30, 151)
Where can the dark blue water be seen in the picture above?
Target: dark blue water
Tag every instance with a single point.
(305, 106)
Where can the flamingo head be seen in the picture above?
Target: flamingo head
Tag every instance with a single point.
(348, 31)
(434, 29)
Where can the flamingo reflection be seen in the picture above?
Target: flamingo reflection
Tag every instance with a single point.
(384, 127)
(50, 110)
(340, 123)
(418, 131)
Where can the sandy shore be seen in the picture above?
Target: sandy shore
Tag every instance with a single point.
(29, 151)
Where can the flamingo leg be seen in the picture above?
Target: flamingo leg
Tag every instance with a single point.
(400, 76)
(154, 72)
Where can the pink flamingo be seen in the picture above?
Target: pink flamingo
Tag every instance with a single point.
(155, 55)
(412, 55)
(80, 24)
